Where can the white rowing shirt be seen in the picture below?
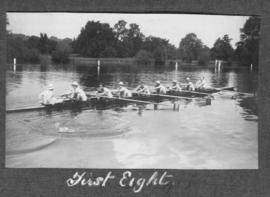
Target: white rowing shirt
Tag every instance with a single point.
(160, 89)
(144, 90)
(79, 94)
(176, 87)
(47, 98)
(106, 92)
(190, 86)
(124, 92)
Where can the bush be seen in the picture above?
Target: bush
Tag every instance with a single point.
(159, 55)
(31, 55)
(144, 57)
(62, 52)
(204, 58)
(109, 52)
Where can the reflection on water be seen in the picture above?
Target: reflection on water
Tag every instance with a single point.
(222, 135)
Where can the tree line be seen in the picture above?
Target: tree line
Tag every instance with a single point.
(30, 48)
(100, 40)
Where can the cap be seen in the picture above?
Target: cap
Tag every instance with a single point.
(75, 83)
(121, 83)
(174, 81)
(187, 78)
(158, 82)
(50, 87)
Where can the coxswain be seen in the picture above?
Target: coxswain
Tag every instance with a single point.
(103, 91)
(47, 96)
(159, 88)
(143, 89)
(77, 93)
(123, 91)
(189, 85)
(175, 86)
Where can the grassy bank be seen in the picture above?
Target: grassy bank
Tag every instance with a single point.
(103, 61)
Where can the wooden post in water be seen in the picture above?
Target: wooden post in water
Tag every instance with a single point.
(219, 65)
(14, 64)
(98, 67)
(176, 65)
(216, 62)
(251, 67)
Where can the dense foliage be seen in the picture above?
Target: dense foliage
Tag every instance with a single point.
(29, 49)
(190, 47)
(99, 40)
(144, 57)
(222, 49)
(247, 49)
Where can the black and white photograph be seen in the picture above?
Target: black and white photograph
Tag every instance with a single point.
(131, 91)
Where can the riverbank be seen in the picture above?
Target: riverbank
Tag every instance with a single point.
(102, 61)
(87, 61)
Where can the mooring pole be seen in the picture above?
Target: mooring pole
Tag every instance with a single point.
(98, 67)
(14, 64)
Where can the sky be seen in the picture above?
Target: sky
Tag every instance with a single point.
(172, 27)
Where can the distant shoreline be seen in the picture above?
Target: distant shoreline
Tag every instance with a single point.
(89, 61)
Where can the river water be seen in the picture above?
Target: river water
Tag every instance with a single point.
(223, 135)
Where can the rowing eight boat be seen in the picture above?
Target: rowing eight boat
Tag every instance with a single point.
(94, 102)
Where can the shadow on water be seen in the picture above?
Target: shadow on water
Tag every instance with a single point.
(250, 107)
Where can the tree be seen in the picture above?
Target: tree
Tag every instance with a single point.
(190, 47)
(160, 55)
(134, 38)
(108, 52)
(45, 45)
(33, 42)
(171, 52)
(144, 57)
(62, 52)
(222, 49)
(247, 49)
(120, 30)
(204, 56)
(17, 48)
(129, 40)
(151, 43)
(94, 38)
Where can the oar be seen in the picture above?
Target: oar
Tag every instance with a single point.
(130, 100)
(225, 88)
(201, 93)
(166, 96)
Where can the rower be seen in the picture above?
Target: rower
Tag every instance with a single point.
(201, 83)
(159, 88)
(189, 85)
(175, 86)
(103, 91)
(47, 96)
(77, 93)
(143, 89)
(123, 91)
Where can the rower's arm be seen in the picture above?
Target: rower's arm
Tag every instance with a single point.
(66, 94)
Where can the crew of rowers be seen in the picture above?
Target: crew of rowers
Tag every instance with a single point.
(123, 91)
(76, 93)
(47, 97)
